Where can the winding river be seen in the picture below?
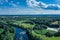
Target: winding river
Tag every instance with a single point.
(20, 34)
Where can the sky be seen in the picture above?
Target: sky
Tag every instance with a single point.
(27, 7)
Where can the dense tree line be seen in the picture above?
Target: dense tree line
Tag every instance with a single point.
(8, 32)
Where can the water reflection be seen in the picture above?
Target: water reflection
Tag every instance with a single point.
(20, 34)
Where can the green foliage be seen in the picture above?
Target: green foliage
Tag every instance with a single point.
(40, 27)
(36, 27)
(7, 33)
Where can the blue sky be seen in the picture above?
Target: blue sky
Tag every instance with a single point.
(47, 1)
(21, 7)
(12, 3)
(9, 3)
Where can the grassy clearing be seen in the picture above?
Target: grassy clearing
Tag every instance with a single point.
(23, 25)
(42, 32)
(54, 23)
(44, 37)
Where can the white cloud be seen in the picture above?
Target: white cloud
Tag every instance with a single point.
(42, 5)
(32, 3)
(12, 3)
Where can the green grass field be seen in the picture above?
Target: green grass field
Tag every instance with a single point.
(44, 37)
(23, 25)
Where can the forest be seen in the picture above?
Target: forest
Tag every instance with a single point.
(37, 27)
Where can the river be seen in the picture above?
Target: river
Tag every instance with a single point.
(20, 34)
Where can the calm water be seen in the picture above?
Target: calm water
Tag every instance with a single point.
(20, 34)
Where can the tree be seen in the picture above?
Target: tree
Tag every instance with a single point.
(59, 32)
(48, 34)
(40, 27)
